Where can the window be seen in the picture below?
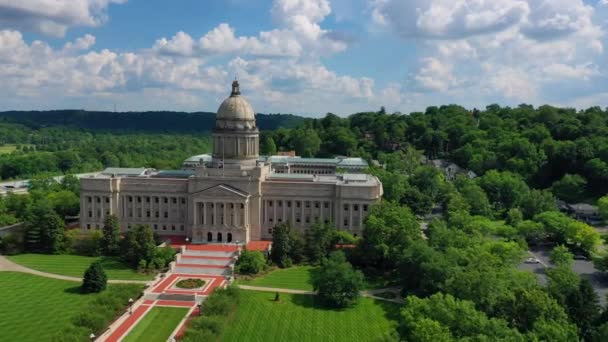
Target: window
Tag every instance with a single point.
(209, 237)
(172, 227)
(156, 199)
(107, 213)
(89, 199)
(88, 227)
(148, 213)
(231, 205)
(288, 204)
(270, 203)
(298, 220)
(181, 227)
(165, 200)
(269, 230)
(174, 200)
(166, 214)
(307, 204)
(129, 227)
(270, 219)
(90, 213)
(219, 237)
(326, 221)
(356, 207)
(183, 200)
(316, 204)
(138, 199)
(280, 219)
(107, 199)
(229, 237)
(307, 219)
(98, 199)
(242, 206)
(130, 199)
(345, 207)
(365, 207)
(156, 214)
(345, 222)
(298, 204)
(326, 205)
(280, 203)
(147, 199)
(164, 227)
(155, 227)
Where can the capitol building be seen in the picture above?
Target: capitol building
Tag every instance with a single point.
(233, 195)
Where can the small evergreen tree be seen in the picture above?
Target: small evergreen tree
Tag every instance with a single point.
(45, 229)
(138, 244)
(111, 236)
(95, 279)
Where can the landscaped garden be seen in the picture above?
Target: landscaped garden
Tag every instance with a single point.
(35, 308)
(190, 283)
(75, 265)
(157, 325)
(297, 278)
(298, 318)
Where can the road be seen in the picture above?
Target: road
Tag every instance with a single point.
(21, 186)
(584, 268)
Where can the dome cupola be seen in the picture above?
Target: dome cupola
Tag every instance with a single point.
(235, 112)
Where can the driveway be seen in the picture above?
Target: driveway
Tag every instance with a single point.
(584, 268)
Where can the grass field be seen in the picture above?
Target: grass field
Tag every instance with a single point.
(157, 325)
(8, 148)
(34, 308)
(75, 265)
(297, 318)
(297, 278)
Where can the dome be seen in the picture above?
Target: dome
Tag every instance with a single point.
(235, 111)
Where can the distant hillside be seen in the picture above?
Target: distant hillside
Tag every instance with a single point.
(137, 121)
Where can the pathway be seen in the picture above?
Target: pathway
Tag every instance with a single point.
(7, 265)
(368, 293)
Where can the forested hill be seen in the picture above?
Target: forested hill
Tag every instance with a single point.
(137, 121)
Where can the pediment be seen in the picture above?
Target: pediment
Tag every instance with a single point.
(223, 191)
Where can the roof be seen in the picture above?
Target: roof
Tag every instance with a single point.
(124, 171)
(235, 112)
(350, 162)
(343, 179)
(338, 162)
(197, 158)
(174, 173)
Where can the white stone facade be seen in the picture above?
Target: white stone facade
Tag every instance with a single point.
(237, 197)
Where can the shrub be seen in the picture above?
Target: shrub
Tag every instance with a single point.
(95, 279)
(250, 262)
(216, 308)
(11, 244)
(96, 316)
(190, 283)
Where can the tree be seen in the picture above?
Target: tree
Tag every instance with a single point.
(306, 142)
(514, 217)
(250, 262)
(319, 240)
(45, 229)
(336, 282)
(138, 245)
(602, 205)
(583, 308)
(64, 202)
(95, 279)
(287, 246)
(267, 145)
(571, 188)
(389, 228)
(111, 235)
(561, 256)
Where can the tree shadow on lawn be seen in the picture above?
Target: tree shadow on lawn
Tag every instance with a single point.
(73, 290)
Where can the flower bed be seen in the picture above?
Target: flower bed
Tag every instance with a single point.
(190, 283)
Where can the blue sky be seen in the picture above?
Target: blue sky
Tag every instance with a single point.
(306, 57)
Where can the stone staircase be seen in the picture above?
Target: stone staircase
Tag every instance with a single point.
(200, 261)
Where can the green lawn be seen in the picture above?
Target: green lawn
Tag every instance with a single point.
(297, 318)
(75, 265)
(297, 278)
(157, 325)
(33, 308)
(8, 148)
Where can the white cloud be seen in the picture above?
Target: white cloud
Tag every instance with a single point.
(52, 17)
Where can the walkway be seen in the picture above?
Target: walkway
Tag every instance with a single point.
(7, 265)
(367, 293)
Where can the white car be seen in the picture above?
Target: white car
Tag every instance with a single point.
(532, 261)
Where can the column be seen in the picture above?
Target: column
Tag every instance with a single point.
(293, 212)
(204, 213)
(214, 214)
(274, 212)
(302, 218)
(322, 208)
(360, 216)
(283, 205)
(195, 213)
(225, 212)
(350, 216)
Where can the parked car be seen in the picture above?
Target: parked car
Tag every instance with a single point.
(532, 261)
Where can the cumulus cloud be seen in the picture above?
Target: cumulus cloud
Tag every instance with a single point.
(52, 17)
